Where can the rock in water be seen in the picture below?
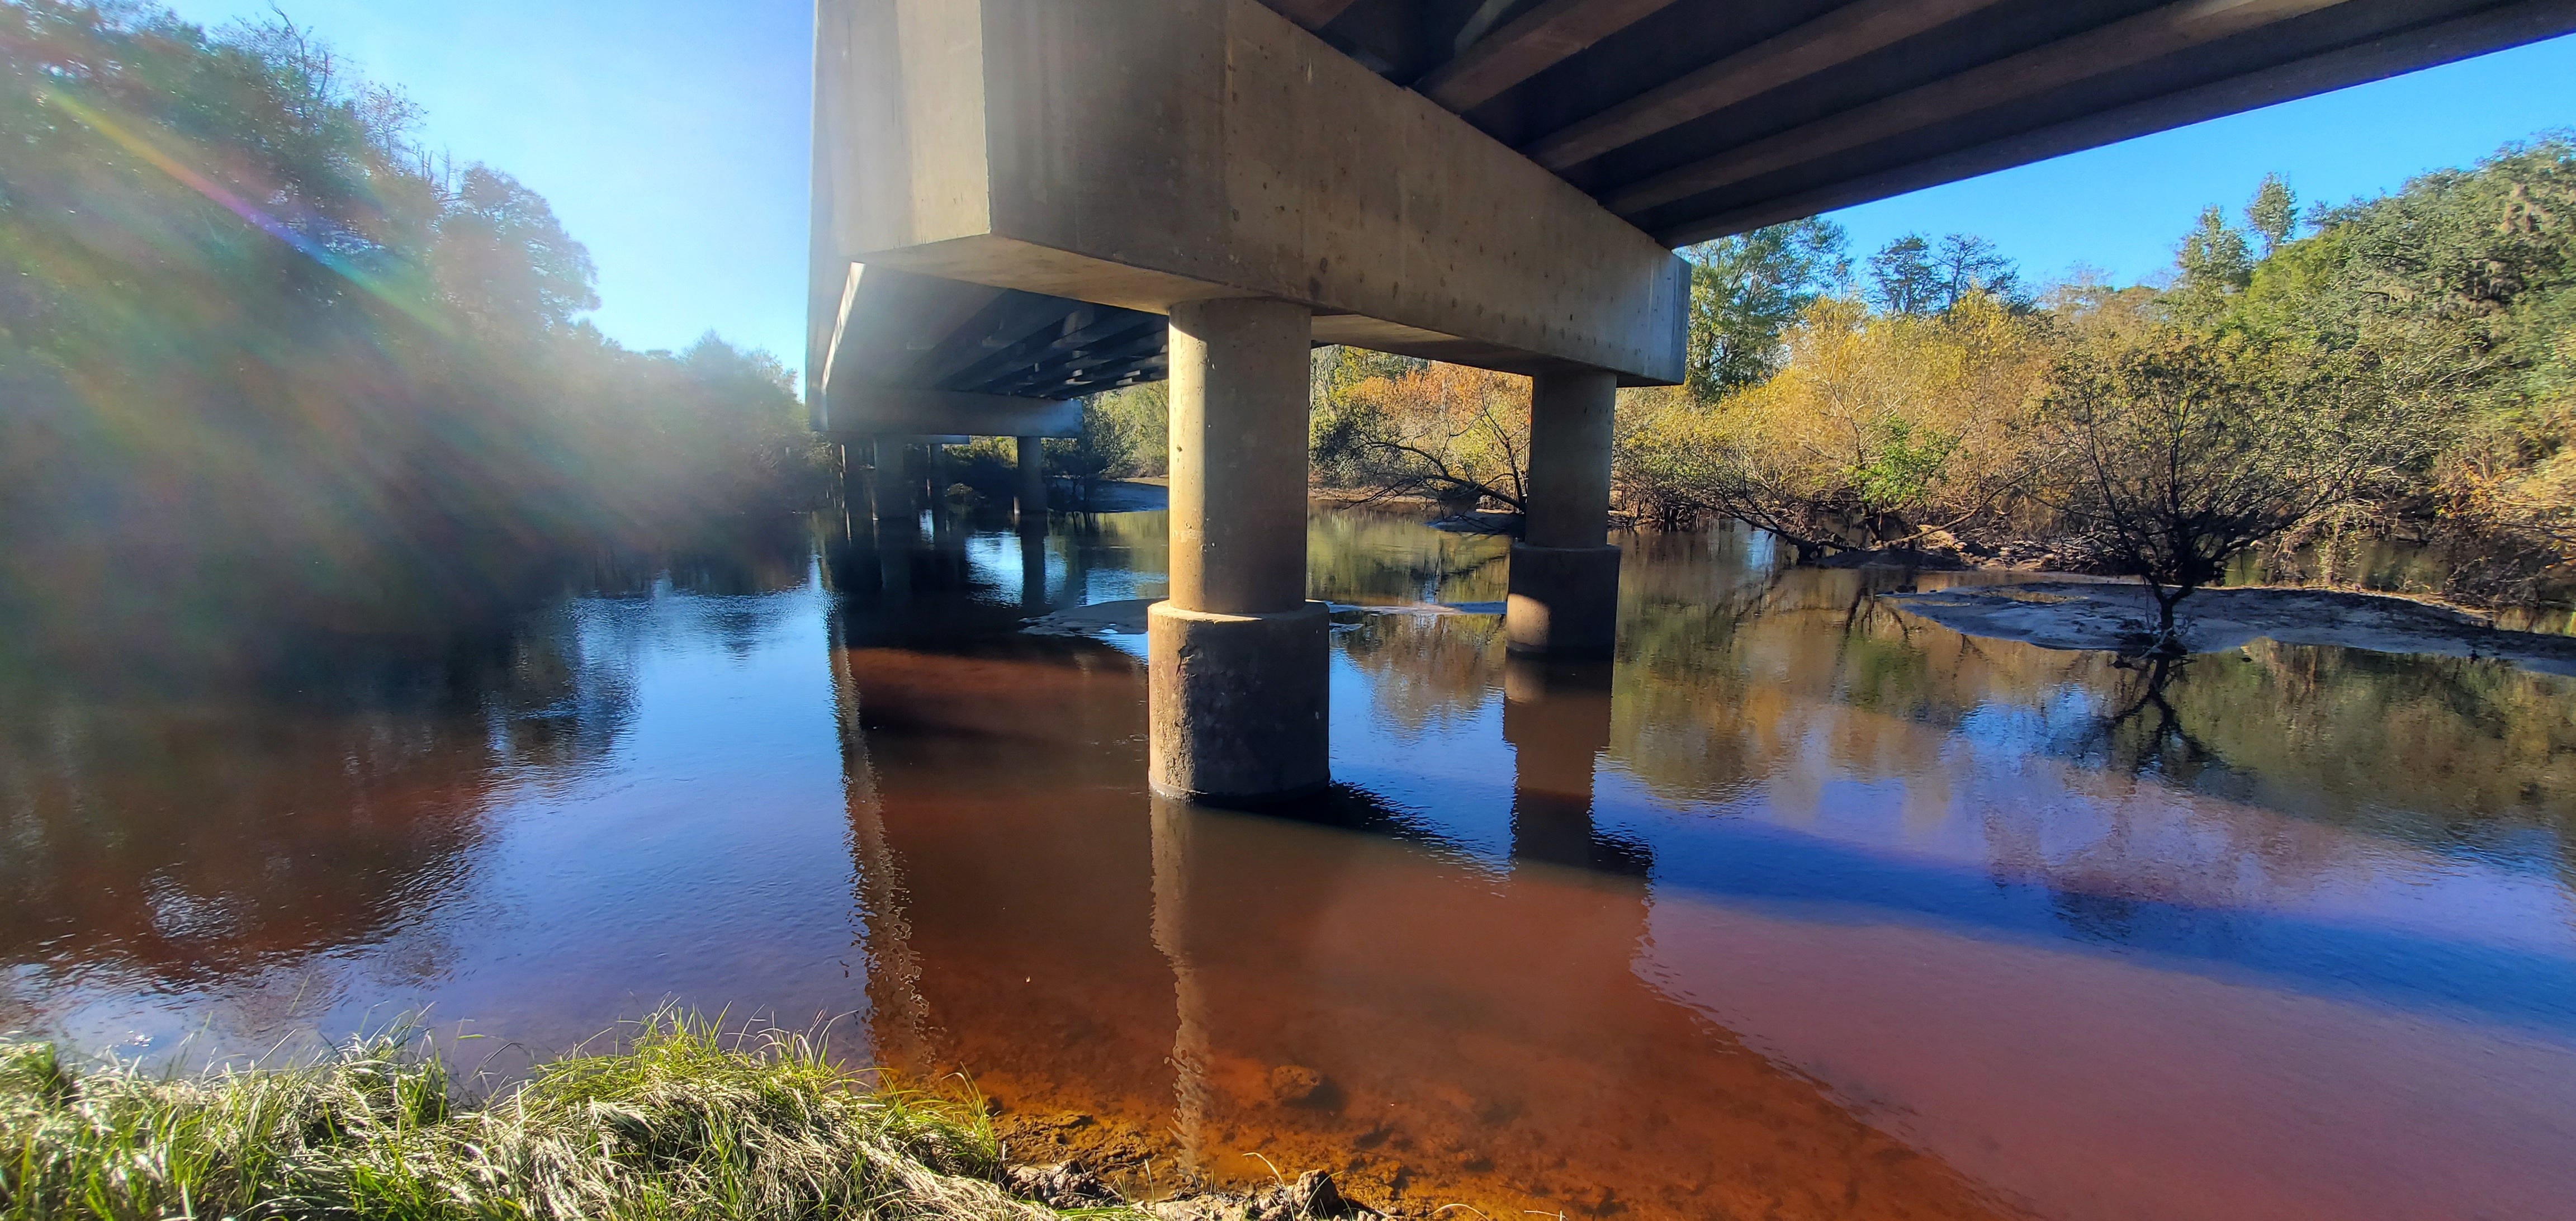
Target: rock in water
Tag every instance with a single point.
(1313, 1197)
(1062, 1186)
(1295, 1084)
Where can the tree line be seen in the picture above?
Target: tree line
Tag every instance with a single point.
(267, 361)
(2398, 368)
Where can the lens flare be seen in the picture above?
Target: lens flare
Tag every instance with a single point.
(134, 142)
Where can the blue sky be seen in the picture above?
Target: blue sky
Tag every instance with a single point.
(671, 137)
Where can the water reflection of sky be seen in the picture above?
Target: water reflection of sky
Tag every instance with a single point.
(2309, 949)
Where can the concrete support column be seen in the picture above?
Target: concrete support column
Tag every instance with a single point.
(898, 520)
(1033, 487)
(852, 553)
(1237, 653)
(891, 490)
(1564, 597)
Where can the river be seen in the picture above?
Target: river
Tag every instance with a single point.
(1805, 907)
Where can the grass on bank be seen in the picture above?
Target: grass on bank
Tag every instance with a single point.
(678, 1121)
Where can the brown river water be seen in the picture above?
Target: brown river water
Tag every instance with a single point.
(1805, 907)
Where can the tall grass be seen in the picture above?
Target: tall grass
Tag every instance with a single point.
(676, 1121)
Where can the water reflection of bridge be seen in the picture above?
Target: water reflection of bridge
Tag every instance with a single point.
(1811, 853)
(1328, 984)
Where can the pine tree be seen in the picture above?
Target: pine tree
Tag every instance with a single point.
(2274, 214)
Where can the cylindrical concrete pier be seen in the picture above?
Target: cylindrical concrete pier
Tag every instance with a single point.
(1031, 453)
(1564, 593)
(898, 525)
(1237, 653)
(890, 492)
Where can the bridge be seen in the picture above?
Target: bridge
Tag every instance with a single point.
(1017, 203)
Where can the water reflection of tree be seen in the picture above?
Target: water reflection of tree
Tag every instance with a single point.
(243, 825)
(1376, 557)
(2446, 753)
(1427, 672)
(2146, 733)
(763, 555)
(1786, 680)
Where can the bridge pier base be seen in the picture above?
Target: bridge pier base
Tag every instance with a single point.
(1564, 587)
(1237, 655)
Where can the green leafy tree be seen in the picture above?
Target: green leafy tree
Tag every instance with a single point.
(1125, 434)
(1901, 277)
(2471, 272)
(2216, 263)
(1918, 276)
(2274, 213)
(1747, 290)
(503, 262)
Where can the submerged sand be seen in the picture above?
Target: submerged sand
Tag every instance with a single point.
(2103, 615)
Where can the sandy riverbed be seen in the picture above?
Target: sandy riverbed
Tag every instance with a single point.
(2099, 615)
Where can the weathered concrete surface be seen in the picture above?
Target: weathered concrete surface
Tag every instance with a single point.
(1238, 456)
(1238, 656)
(1572, 417)
(1237, 704)
(1147, 153)
(1564, 601)
(1031, 453)
(1564, 597)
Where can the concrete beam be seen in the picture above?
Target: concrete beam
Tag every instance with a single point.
(1148, 153)
(2150, 35)
(1838, 37)
(2376, 59)
(1530, 44)
(1313, 14)
(862, 410)
(884, 320)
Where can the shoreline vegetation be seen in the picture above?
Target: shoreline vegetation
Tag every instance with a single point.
(285, 374)
(673, 1119)
(2377, 394)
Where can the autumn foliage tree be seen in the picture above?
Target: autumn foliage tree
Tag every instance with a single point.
(1446, 432)
(2399, 365)
(2176, 452)
(1880, 430)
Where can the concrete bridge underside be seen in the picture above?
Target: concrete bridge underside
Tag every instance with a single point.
(1021, 202)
